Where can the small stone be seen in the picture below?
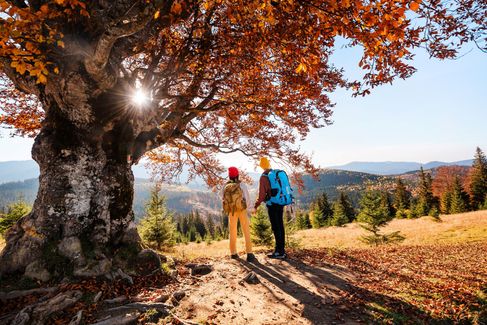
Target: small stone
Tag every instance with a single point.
(251, 278)
(162, 298)
(147, 262)
(201, 269)
(178, 295)
(36, 271)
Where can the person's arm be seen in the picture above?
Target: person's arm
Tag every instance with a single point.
(264, 188)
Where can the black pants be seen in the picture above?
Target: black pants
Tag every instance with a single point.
(277, 223)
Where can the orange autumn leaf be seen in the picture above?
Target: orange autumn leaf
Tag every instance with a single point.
(414, 6)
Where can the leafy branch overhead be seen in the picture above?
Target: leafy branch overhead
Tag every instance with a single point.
(221, 76)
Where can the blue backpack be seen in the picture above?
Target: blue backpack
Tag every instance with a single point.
(280, 188)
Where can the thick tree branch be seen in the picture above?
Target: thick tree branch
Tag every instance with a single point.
(214, 146)
(96, 64)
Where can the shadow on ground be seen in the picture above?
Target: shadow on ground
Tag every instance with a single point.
(332, 299)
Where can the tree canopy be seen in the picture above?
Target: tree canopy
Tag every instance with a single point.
(216, 76)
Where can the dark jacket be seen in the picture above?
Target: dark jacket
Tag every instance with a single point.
(264, 189)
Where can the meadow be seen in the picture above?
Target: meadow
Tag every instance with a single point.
(455, 228)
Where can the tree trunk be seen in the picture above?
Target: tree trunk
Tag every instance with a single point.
(82, 222)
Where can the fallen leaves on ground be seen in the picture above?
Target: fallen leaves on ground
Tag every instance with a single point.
(413, 283)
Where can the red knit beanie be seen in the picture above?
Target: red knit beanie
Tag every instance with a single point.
(232, 172)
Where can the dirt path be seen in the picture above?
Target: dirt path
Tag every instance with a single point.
(288, 292)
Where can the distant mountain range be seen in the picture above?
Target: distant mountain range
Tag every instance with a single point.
(396, 167)
(14, 171)
(195, 196)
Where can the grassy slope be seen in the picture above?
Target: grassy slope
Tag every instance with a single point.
(459, 228)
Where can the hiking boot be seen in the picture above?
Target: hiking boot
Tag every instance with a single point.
(277, 255)
(273, 255)
(281, 256)
(234, 256)
(250, 257)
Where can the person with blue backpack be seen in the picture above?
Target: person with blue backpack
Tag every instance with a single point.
(275, 190)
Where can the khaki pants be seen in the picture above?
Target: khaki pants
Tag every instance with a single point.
(244, 224)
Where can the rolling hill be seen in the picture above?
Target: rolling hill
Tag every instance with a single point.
(396, 167)
(195, 196)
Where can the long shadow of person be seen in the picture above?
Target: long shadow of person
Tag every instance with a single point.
(328, 302)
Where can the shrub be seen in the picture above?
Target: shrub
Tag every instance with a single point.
(260, 228)
(157, 227)
(374, 215)
(15, 211)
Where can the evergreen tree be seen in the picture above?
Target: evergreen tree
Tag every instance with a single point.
(445, 202)
(385, 201)
(347, 207)
(322, 212)
(484, 207)
(157, 227)
(302, 220)
(426, 200)
(199, 224)
(402, 197)
(317, 219)
(324, 207)
(459, 198)
(339, 215)
(478, 176)
(192, 234)
(210, 227)
(260, 228)
(15, 211)
(374, 214)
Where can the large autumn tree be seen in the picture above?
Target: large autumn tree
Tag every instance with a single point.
(212, 76)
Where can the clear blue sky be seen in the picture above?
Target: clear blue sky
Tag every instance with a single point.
(440, 113)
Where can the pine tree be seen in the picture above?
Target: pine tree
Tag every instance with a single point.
(478, 185)
(322, 212)
(199, 224)
(15, 211)
(347, 206)
(426, 200)
(339, 215)
(445, 202)
(402, 197)
(317, 219)
(374, 215)
(210, 227)
(157, 227)
(386, 203)
(459, 198)
(484, 206)
(302, 220)
(324, 207)
(260, 228)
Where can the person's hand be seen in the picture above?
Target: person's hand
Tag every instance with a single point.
(253, 211)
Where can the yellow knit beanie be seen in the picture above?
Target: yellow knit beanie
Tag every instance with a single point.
(264, 163)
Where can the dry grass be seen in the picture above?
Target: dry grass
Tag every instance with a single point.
(2, 243)
(458, 228)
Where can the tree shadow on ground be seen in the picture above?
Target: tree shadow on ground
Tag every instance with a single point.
(337, 300)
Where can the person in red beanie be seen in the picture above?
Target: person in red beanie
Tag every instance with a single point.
(236, 203)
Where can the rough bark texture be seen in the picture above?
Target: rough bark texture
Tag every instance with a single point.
(82, 222)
